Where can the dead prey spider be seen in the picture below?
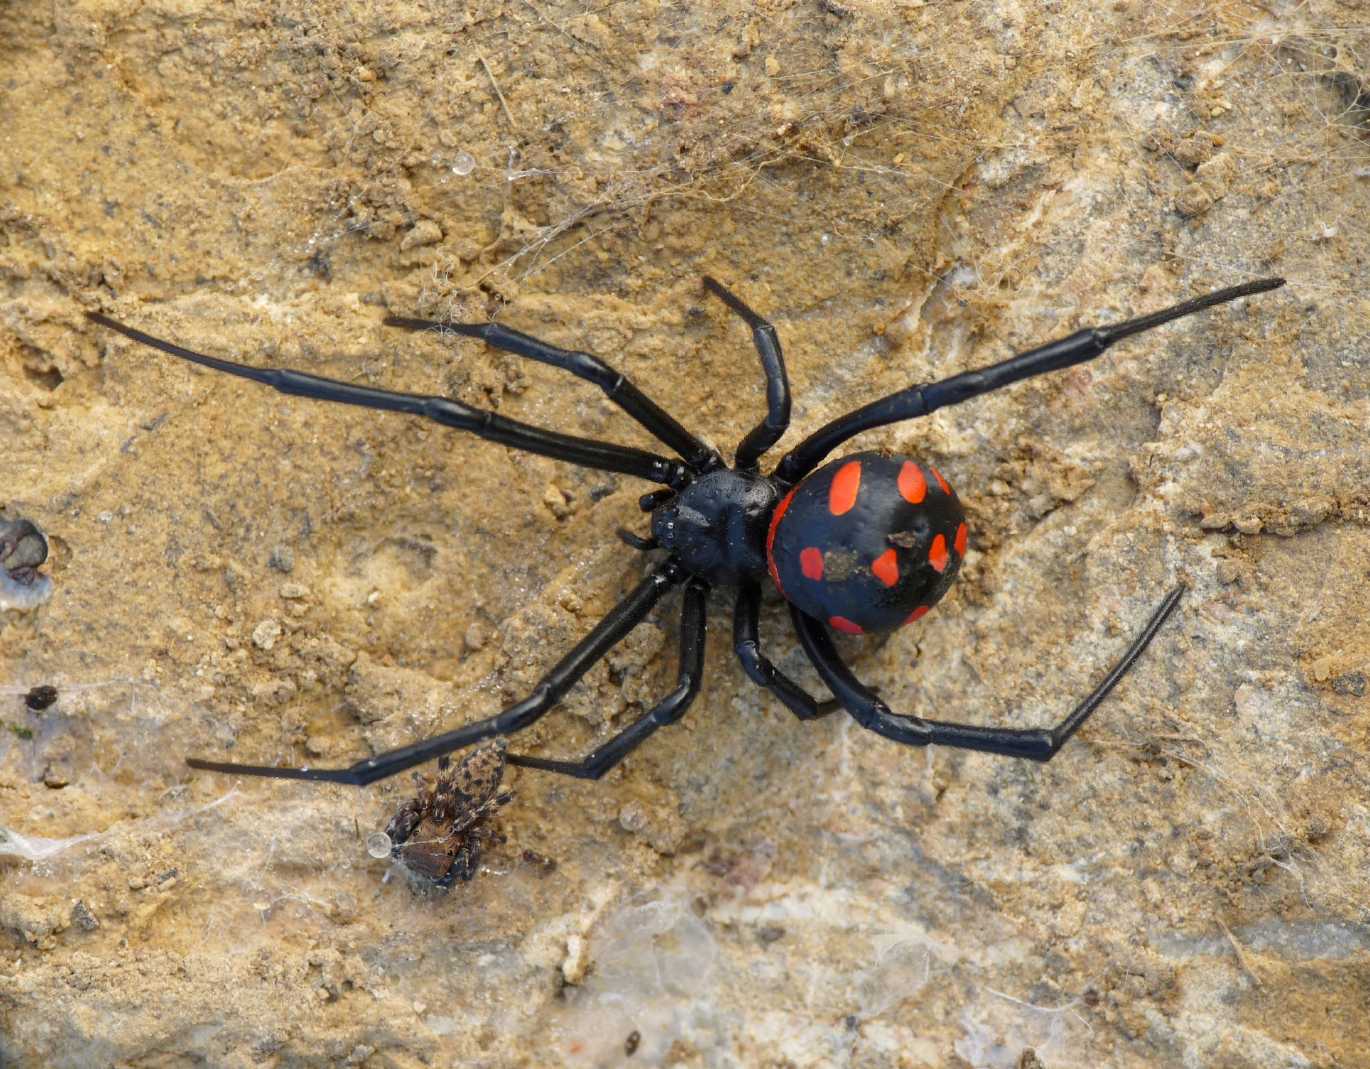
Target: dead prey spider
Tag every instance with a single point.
(437, 836)
(865, 543)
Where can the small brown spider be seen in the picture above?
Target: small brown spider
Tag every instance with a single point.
(451, 815)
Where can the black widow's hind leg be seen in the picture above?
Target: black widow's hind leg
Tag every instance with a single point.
(1039, 744)
(625, 616)
(588, 453)
(616, 386)
(667, 711)
(747, 646)
(766, 433)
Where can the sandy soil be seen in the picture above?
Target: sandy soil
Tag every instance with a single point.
(908, 189)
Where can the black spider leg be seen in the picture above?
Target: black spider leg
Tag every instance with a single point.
(747, 646)
(766, 433)
(625, 616)
(920, 400)
(667, 711)
(637, 542)
(616, 386)
(586, 452)
(1039, 744)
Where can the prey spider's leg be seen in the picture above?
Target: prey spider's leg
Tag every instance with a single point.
(604, 636)
(1039, 744)
(747, 646)
(586, 452)
(616, 386)
(766, 433)
(920, 400)
(667, 711)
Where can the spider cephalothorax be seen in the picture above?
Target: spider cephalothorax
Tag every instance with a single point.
(716, 525)
(867, 542)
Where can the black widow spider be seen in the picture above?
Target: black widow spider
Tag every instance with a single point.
(866, 543)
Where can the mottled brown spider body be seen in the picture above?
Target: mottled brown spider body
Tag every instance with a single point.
(437, 836)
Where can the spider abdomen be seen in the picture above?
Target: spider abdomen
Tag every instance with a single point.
(868, 542)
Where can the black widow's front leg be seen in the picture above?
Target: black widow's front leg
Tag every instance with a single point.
(587, 452)
(766, 433)
(616, 386)
(667, 711)
(1064, 352)
(1038, 744)
(625, 616)
(759, 669)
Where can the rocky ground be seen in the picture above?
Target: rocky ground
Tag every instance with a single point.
(909, 189)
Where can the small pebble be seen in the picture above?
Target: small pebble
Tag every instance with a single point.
(475, 637)
(83, 918)
(1228, 572)
(424, 232)
(378, 844)
(576, 963)
(265, 634)
(1352, 684)
(54, 780)
(556, 501)
(769, 933)
(632, 817)
(1193, 201)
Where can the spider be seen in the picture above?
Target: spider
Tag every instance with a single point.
(453, 812)
(862, 544)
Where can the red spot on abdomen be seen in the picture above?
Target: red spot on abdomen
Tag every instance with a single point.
(886, 568)
(841, 623)
(937, 555)
(811, 563)
(917, 614)
(940, 481)
(845, 484)
(912, 486)
(962, 537)
(770, 538)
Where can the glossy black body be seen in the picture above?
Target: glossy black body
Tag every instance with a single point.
(714, 523)
(716, 526)
(874, 566)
